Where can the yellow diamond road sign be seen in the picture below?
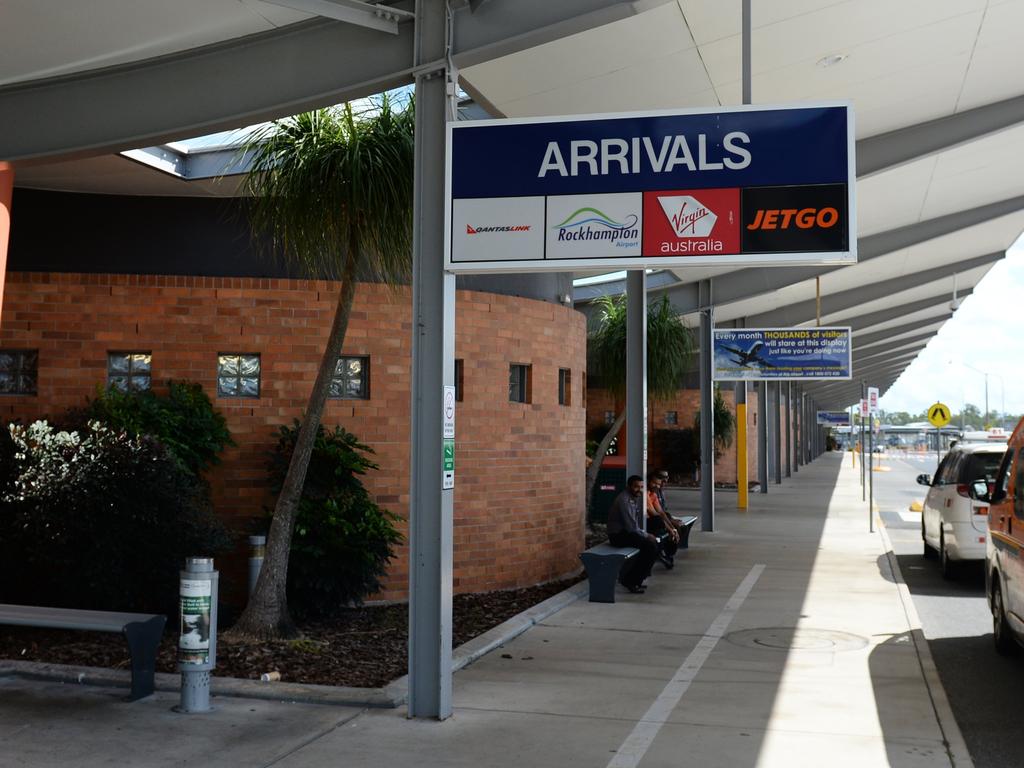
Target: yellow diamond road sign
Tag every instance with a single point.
(939, 415)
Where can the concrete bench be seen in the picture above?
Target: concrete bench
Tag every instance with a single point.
(141, 630)
(603, 564)
(685, 523)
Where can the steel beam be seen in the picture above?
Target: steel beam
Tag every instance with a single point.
(433, 368)
(707, 415)
(751, 282)
(889, 150)
(636, 374)
(805, 311)
(261, 77)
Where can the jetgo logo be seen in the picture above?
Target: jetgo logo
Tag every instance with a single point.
(471, 230)
(691, 222)
(794, 219)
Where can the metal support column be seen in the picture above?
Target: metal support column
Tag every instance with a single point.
(433, 367)
(789, 429)
(777, 430)
(762, 435)
(797, 423)
(636, 373)
(707, 417)
(742, 474)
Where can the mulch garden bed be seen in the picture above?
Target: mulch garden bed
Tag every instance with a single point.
(363, 647)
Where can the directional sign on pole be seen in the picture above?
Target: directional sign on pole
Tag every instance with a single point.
(873, 399)
(939, 415)
(864, 412)
(448, 440)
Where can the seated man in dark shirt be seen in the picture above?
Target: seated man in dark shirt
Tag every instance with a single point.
(625, 521)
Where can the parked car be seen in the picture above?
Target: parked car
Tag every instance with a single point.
(1004, 568)
(953, 523)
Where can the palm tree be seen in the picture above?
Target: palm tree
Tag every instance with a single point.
(670, 345)
(331, 191)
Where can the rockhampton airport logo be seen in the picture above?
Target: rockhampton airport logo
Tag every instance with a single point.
(593, 224)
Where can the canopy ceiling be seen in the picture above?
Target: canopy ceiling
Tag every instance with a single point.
(939, 110)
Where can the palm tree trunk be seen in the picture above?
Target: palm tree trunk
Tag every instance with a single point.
(595, 465)
(266, 616)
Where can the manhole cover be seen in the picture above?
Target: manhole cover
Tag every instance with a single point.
(798, 639)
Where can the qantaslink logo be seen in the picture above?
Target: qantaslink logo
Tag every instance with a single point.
(592, 224)
(471, 230)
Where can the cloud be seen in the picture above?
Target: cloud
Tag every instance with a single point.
(983, 334)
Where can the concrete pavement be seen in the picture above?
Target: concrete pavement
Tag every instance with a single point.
(784, 638)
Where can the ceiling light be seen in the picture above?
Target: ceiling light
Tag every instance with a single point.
(832, 59)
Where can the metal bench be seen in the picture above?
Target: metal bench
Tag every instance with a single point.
(603, 564)
(686, 523)
(141, 630)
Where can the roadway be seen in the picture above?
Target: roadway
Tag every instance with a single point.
(983, 687)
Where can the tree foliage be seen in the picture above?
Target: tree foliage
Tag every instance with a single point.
(343, 541)
(330, 191)
(98, 518)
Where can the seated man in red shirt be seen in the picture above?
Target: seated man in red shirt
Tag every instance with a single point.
(658, 522)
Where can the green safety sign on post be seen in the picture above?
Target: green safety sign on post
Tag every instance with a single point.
(448, 465)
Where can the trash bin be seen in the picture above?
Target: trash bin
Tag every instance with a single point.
(611, 481)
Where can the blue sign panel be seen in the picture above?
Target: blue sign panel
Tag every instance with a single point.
(763, 354)
(742, 186)
(834, 418)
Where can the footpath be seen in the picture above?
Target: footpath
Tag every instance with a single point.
(783, 638)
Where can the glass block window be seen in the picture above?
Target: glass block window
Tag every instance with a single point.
(671, 417)
(351, 379)
(238, 375)
(458, 380)
(19, 371)
(609, 418)
(519, 383)
(129, 371)
(564, 386)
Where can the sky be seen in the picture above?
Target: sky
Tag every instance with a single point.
(983, 334)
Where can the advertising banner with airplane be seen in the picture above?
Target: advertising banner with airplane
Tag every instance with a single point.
(738, 186)
(770, 354)
(834, 418)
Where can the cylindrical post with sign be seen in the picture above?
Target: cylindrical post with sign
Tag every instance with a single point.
(257, 550)
(197, 642)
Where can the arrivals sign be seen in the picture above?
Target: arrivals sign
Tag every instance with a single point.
(744, 186)
(762, 354)
(834, 418)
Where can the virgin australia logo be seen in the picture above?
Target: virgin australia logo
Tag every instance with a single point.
(688, 216)
(592, 224)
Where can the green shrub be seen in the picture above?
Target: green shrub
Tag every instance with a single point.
(343, 541)
(99, 519)
(183, 420)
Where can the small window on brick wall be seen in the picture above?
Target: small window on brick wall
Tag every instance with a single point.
(583, 391)
(609, 418)
(351, 379)
(671, 417)
(129, 371)
(238, 375)
(19, 371)
(519, 383)
(458, 380)
(564, 386)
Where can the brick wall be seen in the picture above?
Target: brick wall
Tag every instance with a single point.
(519, 467)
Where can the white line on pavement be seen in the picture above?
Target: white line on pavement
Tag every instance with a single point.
(639, 741)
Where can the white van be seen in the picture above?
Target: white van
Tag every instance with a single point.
(953, 524)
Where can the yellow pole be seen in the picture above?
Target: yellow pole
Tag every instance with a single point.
(741, 455)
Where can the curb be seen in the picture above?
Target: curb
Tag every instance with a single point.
(391, 696)
(956, 747)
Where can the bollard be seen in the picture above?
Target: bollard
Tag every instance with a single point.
(257, 548)
(197, 643)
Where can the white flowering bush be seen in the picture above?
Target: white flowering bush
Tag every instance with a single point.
(97, 518)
